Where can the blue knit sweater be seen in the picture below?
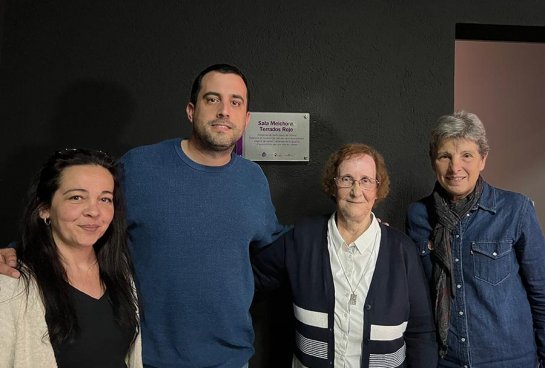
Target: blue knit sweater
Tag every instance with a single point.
(190, 228)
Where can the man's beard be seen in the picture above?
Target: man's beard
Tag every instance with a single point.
(216, 141)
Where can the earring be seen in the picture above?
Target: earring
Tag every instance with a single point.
(47, 221)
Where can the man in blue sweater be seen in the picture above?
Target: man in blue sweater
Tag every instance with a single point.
(194, 209)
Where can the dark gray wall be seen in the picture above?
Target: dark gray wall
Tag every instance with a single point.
(117, 74)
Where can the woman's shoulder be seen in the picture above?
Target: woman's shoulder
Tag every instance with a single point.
(397, 238)
(11, 289)
(507, 195)
(308, 229)
(420, 207)
(310, 223)
(497, 199)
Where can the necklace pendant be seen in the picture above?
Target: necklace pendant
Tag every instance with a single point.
(353, 299)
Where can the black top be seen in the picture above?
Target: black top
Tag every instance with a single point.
(101, 342)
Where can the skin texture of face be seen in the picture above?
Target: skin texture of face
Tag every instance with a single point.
(82, 207)
(457, 166)
(220, 114)
(355, 204)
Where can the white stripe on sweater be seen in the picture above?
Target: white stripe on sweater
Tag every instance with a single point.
(310, 318)
(387, 333)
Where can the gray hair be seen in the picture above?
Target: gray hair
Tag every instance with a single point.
(460, 125)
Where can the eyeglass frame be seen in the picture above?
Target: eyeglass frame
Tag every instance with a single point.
(370, 184)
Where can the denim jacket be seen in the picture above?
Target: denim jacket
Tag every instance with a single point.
(498, 249)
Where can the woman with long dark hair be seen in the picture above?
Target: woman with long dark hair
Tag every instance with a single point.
(75, 304)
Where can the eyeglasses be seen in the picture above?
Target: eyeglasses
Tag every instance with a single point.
(347, 182)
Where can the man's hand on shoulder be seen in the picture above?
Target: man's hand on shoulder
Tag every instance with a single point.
(8, 262)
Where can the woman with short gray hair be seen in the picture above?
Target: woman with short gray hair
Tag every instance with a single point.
(484, 253)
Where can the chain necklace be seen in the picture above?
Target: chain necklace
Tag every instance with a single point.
(353, 295)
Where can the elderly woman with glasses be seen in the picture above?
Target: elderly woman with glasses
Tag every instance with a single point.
(359, 294)
(484, 253)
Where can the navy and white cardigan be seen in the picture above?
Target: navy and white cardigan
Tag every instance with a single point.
(398, 323)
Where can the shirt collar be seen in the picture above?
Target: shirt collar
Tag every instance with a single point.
(488, 199)
(363, 242)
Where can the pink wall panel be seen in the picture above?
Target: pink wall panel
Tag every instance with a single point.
(504, 84)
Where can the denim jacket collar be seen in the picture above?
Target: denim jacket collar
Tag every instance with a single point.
(488, 199)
